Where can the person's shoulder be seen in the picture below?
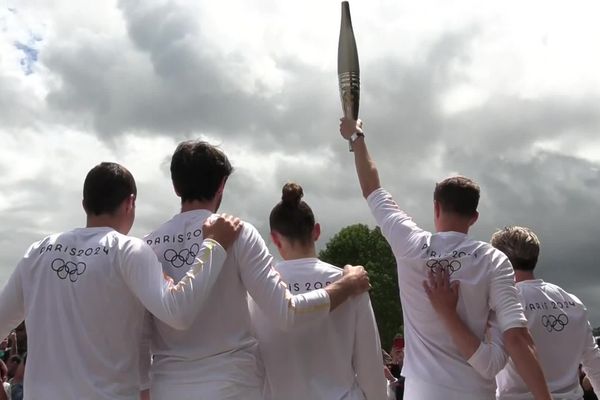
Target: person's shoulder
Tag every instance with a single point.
(39, 245)
(127, 243)
(567, 295)
(248, 235)
(488, 252)
(330, 269)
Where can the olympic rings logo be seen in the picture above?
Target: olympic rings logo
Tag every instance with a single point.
(555, 324)
(183, 257)
(443, 265)
(68, 269)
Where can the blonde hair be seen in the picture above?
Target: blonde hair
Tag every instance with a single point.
(520, 244)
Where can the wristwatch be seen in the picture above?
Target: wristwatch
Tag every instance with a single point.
(355, 136)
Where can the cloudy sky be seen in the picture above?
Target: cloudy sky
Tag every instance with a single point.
(505, 92)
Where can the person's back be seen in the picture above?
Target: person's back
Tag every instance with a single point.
(559, 326)
(220, 339)
(335, 358)
(320, 360)
(83, 293)
(437, 366)
(558, 322)
(486, 281)
(216, 358)
(70, 279)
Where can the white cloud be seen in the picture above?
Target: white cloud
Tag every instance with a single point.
(506, 92)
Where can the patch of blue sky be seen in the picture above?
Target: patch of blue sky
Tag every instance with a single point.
(30, 56)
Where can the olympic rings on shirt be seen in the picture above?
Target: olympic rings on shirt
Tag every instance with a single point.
(443, 265)
(556, 324)
(183, 257)
(69, 269)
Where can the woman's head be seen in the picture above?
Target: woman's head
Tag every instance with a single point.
(292, 219)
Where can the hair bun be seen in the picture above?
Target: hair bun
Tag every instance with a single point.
(291, 194)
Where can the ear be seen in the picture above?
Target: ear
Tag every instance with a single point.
(316, 233)
(130, 203)
(474, 218)
(276, 239)
(221, 188)
(437, 209)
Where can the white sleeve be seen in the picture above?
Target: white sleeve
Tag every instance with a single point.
(267, 289)
(504, 297)
(403, 235)
(145, 352)
(12, 306)
(367, 359)
(176, 305)
(490, 357)
(591, 359)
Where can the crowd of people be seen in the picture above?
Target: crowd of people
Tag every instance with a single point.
(13, 357)
(198, 309)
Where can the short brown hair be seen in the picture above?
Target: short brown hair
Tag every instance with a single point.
(521, 245)
(197, 170)
(457, 195)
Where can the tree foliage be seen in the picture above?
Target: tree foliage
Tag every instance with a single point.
(359, 245)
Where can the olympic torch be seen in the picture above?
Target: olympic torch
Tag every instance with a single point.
(348, 69)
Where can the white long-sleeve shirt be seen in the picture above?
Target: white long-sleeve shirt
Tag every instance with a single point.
(82, 294)
(563, 338)
(336, 358)
(433, 365)
(220, 346)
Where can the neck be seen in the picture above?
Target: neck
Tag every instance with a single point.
(198, 205)
(297, 252)
(103, 221)
(453, 223)
(523, 275)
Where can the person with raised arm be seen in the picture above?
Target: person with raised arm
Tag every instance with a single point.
(434, 366)
(83, 293)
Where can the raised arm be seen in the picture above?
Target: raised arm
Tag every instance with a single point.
(271, 294)
(366, 359)
(403, 235)
(366, 169)
(177, 305)
(488, 358)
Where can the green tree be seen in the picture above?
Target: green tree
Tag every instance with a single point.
(596, 331)
(359, 245)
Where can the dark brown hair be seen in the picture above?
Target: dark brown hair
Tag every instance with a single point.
(292, 217)
(457, 195)
(105, 187)
(197, 170)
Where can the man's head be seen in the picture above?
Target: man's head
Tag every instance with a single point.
(199, 172)
(521, 245)
(109, 190)
(455, 201)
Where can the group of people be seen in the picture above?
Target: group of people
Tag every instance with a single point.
(13, 357)
(471, 332)
(198, 310)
